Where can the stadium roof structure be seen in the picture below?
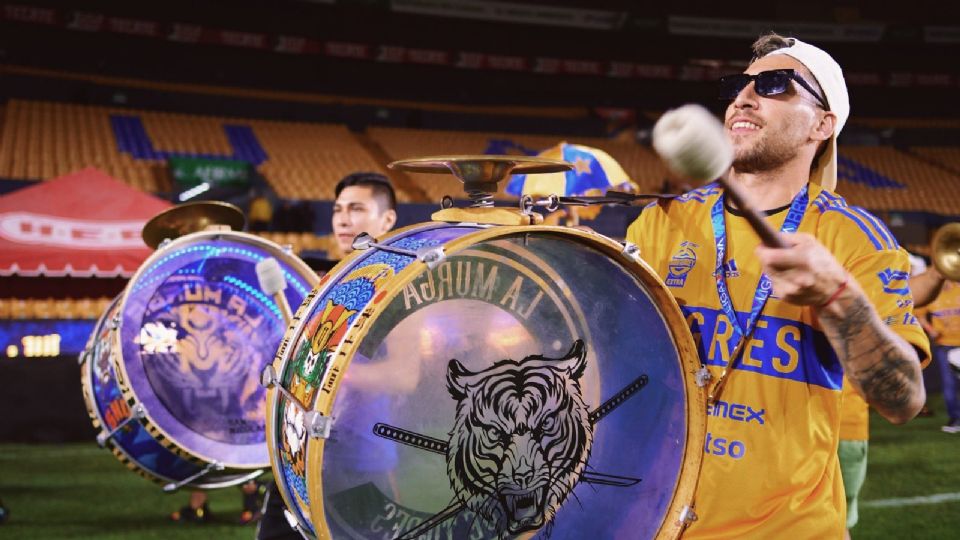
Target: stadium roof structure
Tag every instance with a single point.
(83, 224)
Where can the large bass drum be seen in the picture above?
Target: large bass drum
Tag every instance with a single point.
(469, 381)
(170, 373)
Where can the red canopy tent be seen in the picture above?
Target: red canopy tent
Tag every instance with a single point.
(84, 224)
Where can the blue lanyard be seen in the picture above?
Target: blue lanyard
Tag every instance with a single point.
(794, 215)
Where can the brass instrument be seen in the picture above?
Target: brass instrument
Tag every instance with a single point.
(191, 217)
(945, 251)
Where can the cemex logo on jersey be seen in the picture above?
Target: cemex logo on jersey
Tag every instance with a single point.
(736, 411)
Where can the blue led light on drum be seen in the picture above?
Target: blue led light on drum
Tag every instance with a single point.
(216, 251)
(255, 292)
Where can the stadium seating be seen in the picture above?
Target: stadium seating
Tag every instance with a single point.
(50, 308)
(640, 162)
(303, 160)
(928, 188)
(299, 241)
(45, 140)
(946, 156)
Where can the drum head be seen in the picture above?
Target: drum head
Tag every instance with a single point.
(195, 332)
(534, 380)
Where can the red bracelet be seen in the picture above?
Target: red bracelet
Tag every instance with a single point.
(835, 293)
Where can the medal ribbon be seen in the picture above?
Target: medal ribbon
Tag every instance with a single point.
(741, 334)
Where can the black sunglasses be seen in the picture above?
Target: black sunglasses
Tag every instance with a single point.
(766, 83)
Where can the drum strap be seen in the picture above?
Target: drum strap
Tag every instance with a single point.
(741, 334)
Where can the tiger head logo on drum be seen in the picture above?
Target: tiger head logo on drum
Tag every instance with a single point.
(521, 440)
(202, 345)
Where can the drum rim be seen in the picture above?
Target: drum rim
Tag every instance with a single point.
(285, 351)
(129, 393)
(86, 367)
(92, 403)
(689, 473)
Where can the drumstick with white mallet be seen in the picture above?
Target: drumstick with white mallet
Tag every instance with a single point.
(272, 283)
(692, 143)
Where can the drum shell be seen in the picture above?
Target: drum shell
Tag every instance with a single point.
(147, 448)
(470, 235)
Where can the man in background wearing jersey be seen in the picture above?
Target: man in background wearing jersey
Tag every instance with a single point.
(942, 322)
(839, 303)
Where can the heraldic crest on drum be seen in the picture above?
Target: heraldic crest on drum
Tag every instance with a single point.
(328, 329)
(521, 439)
(314, 352)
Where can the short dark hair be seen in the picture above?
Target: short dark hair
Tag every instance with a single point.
(378, 183)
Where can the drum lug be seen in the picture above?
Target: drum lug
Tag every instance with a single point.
(687, 516)
(318, 426)
(268, 377)
(164, 243)
(115, 321)
(702, 376)
(294, 524)
(138, 412)
(362, 242)
(432, 256)
(631, 251)
(83, 356)
(269, 380)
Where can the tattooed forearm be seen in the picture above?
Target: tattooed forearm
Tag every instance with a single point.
(881, 364)
(845, 328)
(887, 383)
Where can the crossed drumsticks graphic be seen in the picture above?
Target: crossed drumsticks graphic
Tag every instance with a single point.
(438, 446)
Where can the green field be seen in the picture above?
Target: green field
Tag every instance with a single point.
(80, 491)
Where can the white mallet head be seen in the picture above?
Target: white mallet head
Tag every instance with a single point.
(270, 276)
(692, 142)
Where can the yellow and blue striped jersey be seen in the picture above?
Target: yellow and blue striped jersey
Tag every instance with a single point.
(944, 315)
(770, 466)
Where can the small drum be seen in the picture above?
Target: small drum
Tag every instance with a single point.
(170, 374)
(469, 381)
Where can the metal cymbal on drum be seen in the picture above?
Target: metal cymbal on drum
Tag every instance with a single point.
(945, 251)
(480, 174)
(191, 217)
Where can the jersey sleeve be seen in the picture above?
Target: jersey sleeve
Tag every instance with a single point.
(644, 230)
(884, 276)
(864, 245)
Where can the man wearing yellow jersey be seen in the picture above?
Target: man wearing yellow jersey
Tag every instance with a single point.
(943, 322)
(839, 304)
